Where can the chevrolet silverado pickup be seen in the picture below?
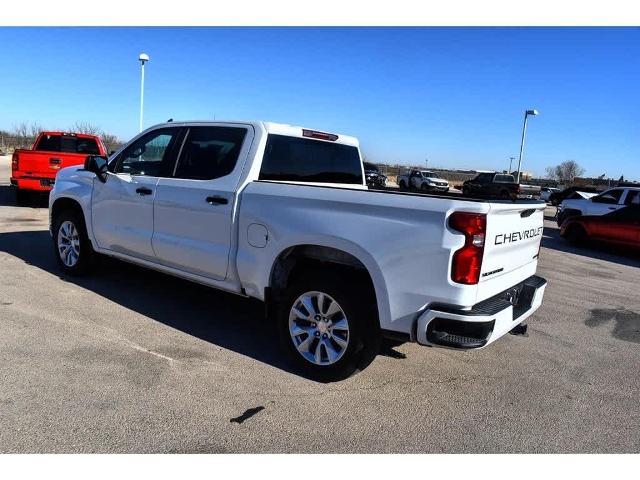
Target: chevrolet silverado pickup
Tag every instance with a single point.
(36, 169)
(283, 214)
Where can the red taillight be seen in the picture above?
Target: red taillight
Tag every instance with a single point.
(14, 161)
(467, 261)
(321, 135)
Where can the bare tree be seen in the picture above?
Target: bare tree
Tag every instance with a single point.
(86, 127)
(566, 172)
(550, 173)
(110, 141)
(22, 135)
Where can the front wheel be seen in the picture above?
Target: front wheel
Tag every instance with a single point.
(71, 244)
(328, 326)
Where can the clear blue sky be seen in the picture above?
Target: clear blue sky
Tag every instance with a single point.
(453, 95)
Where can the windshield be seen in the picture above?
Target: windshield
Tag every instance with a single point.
(370, 167)
(428, 174)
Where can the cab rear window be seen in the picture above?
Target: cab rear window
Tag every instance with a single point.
(68, 144)
(305, 160)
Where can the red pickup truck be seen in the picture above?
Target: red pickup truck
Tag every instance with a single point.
(36, 169)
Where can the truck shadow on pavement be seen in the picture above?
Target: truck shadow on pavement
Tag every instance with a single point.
(223, 319)
(8, 198)
(552, 239)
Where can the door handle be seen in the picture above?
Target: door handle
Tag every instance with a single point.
(216, 200)
(612, 208)
(144, 191)
(55, 161)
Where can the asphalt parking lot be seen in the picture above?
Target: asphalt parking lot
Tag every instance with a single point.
(130, 360)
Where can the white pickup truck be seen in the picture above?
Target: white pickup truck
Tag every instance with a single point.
(606, 202)
(422, 180)
(283, 214)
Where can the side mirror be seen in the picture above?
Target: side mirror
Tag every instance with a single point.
(98, 165)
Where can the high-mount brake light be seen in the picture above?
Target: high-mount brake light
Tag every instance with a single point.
(467, 261)
(332, 137)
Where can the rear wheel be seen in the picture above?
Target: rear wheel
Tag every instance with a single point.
(71, 244)
(328, 325)
(403, 186)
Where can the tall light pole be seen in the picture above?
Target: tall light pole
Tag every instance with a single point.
(524, 131)
(143, 59)
(511, 159)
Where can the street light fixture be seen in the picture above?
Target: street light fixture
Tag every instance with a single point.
(144, 58)
(524, 131)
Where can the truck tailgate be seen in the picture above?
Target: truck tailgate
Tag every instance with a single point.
(34, 163)
(512, 244)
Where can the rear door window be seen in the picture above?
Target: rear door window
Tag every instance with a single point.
(68, 144)
(210, 152)
(305, 160)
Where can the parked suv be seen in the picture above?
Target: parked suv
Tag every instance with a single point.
(373, 176)
(602, 204)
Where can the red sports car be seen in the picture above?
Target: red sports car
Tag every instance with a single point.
(621, 227)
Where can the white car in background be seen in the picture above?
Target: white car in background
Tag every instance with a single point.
(545, 193)
(606, 202)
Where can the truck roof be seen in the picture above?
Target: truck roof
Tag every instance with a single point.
(271, 127)
(73, 134)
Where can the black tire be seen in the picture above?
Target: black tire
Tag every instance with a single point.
(505, 195)
(566, 214)
(576, 235)
(86, 255)
(360, 310)
(403, 186)
(23, 197)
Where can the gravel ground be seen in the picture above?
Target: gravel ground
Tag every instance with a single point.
(130, 360)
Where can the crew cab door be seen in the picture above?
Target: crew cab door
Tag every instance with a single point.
(193, 212)
(122, 207)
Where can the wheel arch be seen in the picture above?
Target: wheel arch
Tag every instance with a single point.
(61, 204)
(294, 259)
(65, 203)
